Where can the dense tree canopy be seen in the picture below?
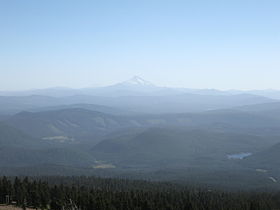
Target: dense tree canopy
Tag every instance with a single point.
(91, 193)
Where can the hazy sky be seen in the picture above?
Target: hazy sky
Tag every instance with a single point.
(198, 44)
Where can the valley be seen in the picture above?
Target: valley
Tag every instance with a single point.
(86, 138)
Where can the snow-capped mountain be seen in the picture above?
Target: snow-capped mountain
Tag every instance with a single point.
(136, 80)
(135, 86)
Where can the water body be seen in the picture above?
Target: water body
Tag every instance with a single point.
(239, 156)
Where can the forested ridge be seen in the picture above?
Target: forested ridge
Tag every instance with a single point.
(92, 193)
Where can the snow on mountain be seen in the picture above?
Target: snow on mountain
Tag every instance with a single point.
(137, 81)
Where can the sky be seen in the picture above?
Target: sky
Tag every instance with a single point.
(226, 44)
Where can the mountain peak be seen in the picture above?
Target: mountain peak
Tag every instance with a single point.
(136, 80)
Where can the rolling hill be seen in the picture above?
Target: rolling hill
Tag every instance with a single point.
(10, 136)
(266, 159)
(75, 125)
(67, 124)
(163, 147)
(19, 149)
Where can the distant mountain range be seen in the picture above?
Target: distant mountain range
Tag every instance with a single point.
(132, 96)
(157, 104)
(136, 86)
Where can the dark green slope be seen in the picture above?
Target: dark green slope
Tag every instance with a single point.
(10, 136)
(20, 149)
(177, 146)
(75, 124)
(19, 157)
(267, 159)
(81, 124)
